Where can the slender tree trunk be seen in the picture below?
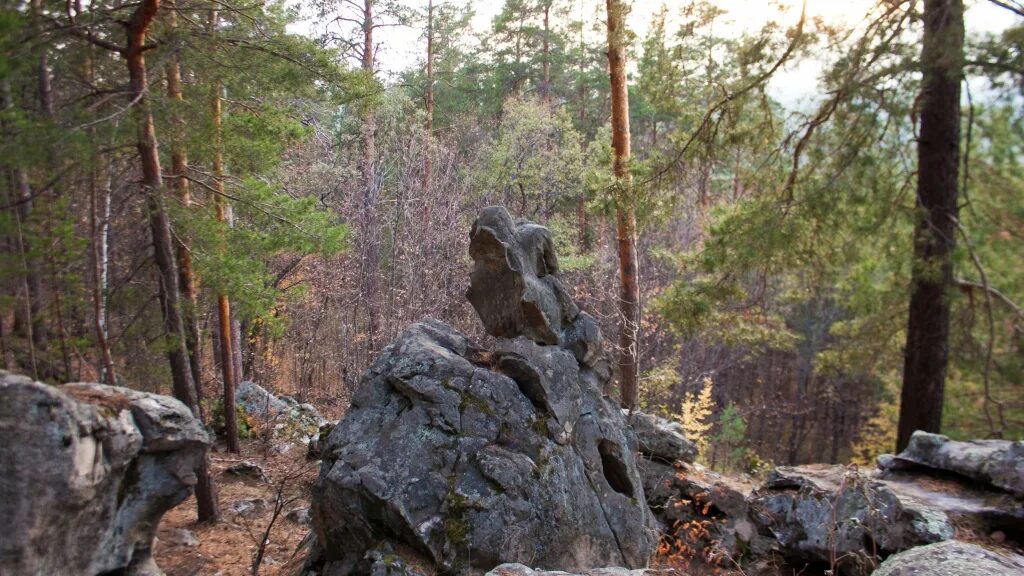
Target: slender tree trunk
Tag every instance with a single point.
(99, 178)
(625, 215)
(227, 336)
(428, 152)
(369, 237)
(546, 87)
(180, 184)
(160, 227)
(938, 152)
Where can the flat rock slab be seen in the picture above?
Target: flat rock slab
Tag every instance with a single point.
(521, 570)
(952, 558)
(999, 463)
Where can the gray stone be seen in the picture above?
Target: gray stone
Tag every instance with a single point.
(290, 419)
(246, 469)
(248, 507)
(513, 569)
(999, 463)
(258, 402)
(86, 473)
(480, 458)
(514, 285)
(952, 558)
(299, 516)
(180, 537)
(661, 439)
(821, 512)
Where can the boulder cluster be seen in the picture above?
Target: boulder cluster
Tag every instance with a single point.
(505, 461)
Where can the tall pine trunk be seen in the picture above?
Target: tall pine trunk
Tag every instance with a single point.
(938, 152)
(625, 214)
(227, 336)
(427, 155)
(160, 227)
(180, 184)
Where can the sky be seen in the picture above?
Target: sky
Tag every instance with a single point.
(794, 86)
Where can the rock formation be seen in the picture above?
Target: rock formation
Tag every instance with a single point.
(86, 473)
(999, 463)
(952, 558)
(477, 457)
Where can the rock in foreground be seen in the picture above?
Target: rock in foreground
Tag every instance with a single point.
(86, 473)
(952, 558)
(479, 458)
(521, 570)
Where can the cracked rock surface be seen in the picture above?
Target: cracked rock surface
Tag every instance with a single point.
(86, 473)
(476, 457)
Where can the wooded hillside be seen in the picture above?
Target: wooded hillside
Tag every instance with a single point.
(197, 194)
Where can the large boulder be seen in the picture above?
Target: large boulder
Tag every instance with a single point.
(86, 473)
(999, 463)
(825, 513)
(477, 458)
(952, 558)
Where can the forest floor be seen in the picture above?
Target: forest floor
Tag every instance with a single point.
(228, 547)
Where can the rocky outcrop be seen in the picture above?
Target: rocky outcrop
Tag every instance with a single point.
(998, 463)
(86, 473)
(521, 570)
(478, 457)
(952, 558)
(289, 418)
(830, 513)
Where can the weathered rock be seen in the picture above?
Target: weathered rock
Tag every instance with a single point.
(258, 402)
(289, 418)
(299, 516)
(318, 441)
(246, 469)
(661, 439)
(480, 458)
(86, 473)
(180, 537)
(512, 569)
(690, 495)
(952, 558)
(999, 463)
(823, 512)
(514, 287)
(248, 507)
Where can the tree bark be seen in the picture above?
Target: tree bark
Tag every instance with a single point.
(227, 337)
(625, 214)
(180, 184)
(160, 227)
(427, 154)
(368, 233)
(546, 86)
(938, 149)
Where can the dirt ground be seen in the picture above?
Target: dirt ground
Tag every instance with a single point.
(228, 547)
